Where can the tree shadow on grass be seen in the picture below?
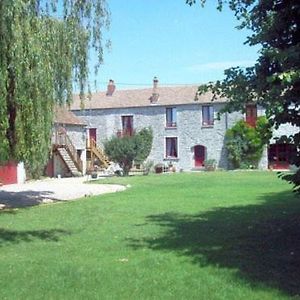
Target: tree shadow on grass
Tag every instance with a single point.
(262, 241)
(13, 200)
(16, 236)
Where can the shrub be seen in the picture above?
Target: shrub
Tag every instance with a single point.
(210, 164)
(245, 143)
(124, 150)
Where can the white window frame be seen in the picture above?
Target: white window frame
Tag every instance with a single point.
(173, 123)
(204, 124)
(165, 148)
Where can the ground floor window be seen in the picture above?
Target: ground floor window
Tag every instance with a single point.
(171, 147)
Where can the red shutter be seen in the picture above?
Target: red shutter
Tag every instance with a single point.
(251, 114)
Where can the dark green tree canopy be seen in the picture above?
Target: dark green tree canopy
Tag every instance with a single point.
(274, 81)
(44, 48)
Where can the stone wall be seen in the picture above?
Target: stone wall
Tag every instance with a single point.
(189, 131)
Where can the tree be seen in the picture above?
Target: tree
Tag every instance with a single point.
(274, 81)
(124, 150)
(43, 52)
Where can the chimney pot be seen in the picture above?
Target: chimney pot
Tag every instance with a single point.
(110, 88)
(155, 94)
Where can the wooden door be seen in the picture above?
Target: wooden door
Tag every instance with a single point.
(93, 134)
(199, 155)
(279, 155)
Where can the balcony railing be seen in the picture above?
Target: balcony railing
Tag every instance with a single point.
(171, 124)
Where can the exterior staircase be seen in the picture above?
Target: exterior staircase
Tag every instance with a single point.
(97, 153)
(68, 153)
(64, 154)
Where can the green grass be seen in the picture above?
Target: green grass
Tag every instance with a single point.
(218, 235)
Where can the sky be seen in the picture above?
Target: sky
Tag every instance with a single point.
(171, 40)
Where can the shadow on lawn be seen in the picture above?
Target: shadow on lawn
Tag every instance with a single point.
(24, 198)
(14, 236)
(261, 241)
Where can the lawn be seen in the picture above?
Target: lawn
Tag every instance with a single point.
(213, 235)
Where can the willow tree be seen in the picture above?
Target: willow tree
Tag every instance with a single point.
(274, 80)
(44, 49)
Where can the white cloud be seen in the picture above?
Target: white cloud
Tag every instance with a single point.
(222, 65)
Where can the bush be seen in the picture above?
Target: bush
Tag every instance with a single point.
(124, 150)
(210, 164)
(245, 143)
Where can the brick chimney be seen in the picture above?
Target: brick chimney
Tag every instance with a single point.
(155, 95)
(110, 88)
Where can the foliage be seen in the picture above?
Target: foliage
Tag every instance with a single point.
(210, 164)
(245, 143)
(274, 81)
(149, 165)
(43, 52)
(124, 150)
(143, 141)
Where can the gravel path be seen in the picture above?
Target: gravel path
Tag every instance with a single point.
(50, 190)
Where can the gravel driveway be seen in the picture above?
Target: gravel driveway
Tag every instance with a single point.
(50, 190)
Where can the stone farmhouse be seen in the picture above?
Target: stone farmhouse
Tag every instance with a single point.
(185, 125)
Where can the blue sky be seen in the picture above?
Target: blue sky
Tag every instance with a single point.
(173, 41)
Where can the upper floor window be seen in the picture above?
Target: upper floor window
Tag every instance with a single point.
(171, 147)
(127, 125)
(207, 115)
(171, 118)
(251, 114)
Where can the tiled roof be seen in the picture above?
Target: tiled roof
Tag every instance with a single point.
(176, 95)
(65, 116)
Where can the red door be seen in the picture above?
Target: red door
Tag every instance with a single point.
(279, 155)
(199, 155)
(93, 134)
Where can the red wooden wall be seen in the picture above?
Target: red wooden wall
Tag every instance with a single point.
(8, 173)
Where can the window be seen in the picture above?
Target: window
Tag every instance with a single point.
(171, 117)
(171, 147)
(207, 115)
(251, 114)
(127, 125)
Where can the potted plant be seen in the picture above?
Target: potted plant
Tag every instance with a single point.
(159, 168)
(210, 164)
